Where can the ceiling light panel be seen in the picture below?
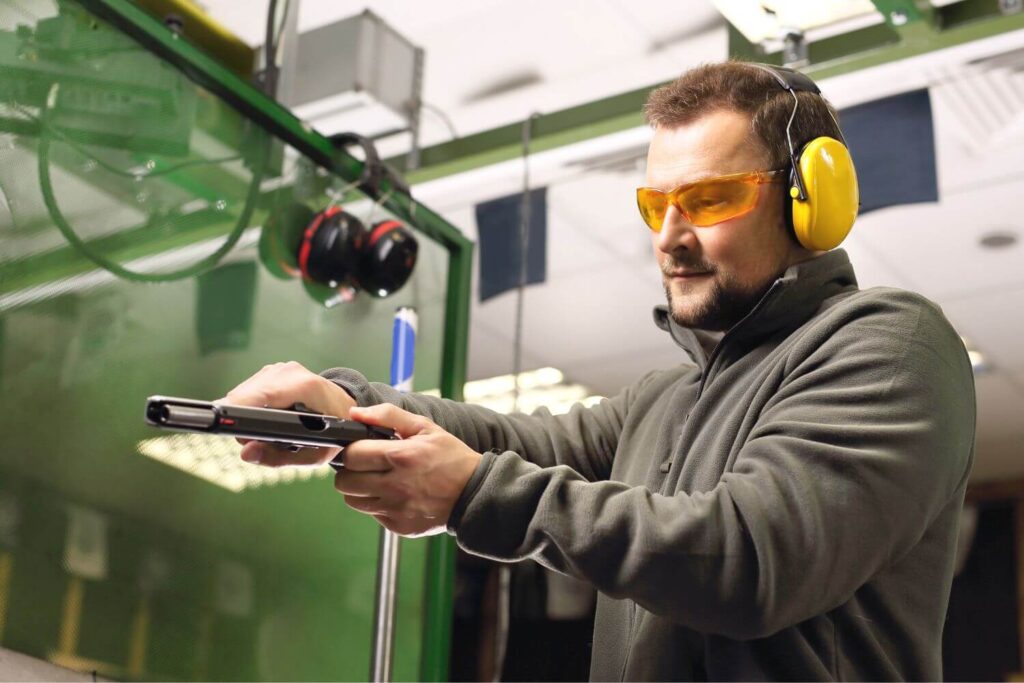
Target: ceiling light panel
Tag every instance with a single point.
(761, 20)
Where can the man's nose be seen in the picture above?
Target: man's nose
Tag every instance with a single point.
(676, 232)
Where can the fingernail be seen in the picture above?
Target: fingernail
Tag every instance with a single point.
(251, 457)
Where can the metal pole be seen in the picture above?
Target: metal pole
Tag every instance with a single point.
(403, 346)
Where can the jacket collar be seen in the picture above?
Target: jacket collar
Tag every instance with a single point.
(789, 302)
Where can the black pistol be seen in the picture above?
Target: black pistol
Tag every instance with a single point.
(295, 428)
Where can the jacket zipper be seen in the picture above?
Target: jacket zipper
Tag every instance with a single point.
(715, 353)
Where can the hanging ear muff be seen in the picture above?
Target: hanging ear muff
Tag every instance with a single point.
(330, 250)
(823, 220)
(337, 256)
(824, 196)
(388, 258)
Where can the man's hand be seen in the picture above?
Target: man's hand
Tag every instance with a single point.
(410, 485)
(282, 385)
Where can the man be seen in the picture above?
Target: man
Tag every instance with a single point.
(784, 507)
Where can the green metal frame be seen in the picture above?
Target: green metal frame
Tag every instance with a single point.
(281, 123)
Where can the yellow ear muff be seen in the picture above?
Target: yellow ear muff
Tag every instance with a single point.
(824, 219)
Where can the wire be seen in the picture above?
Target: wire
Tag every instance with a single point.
(46, 187)
(107, 166)
(524, 244)
(270, 50)
(439, 113)
(504, 606)
(272, 45)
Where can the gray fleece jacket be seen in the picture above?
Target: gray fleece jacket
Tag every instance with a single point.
(783, 508)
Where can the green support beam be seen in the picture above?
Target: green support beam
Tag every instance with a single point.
(899, 13)
(925, 30)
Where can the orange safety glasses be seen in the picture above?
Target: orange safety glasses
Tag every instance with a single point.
(705, 202)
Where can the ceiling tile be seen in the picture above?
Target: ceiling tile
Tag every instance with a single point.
(872, 269)
(993, 321)
(935, 248)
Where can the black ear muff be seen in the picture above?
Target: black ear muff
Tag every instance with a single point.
(388, 258)
(336, 255)
(330, 250)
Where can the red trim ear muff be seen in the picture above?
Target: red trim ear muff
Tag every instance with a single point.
(337, 255)
(388, 259)
(307, 238)
(331, 248)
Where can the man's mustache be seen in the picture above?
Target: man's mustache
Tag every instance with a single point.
(671, 265)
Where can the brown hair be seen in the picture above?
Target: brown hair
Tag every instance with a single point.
(737, 86)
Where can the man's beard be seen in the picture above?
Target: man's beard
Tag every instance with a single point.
(719, 309)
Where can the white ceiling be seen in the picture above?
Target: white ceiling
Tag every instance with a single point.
(592, 317)
(575, 50)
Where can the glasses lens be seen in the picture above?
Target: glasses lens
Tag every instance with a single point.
(717, 201)
(652, 204)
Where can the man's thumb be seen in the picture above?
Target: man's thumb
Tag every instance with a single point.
(404, 423)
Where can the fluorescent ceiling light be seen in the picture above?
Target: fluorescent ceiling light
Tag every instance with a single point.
(768, 20)
(216, 459)
(505, 384)
(541, 388)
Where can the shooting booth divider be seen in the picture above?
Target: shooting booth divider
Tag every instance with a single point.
(136, 173)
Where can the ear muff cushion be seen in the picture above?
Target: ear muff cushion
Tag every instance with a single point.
(833, 197)
(281, 239)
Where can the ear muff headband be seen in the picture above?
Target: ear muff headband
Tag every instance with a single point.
(824, 192)
(380, 229)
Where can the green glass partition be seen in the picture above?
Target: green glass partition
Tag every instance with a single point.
(133, 191)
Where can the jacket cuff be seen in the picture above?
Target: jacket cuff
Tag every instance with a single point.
(469, 490)
(353, 382)
(497, 510)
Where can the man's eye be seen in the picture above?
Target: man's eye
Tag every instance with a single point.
(710, 203)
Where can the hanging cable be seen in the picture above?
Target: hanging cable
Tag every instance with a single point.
(46, 188)
(504, 608)
(445, 119)
(273, 30)
(109, 167)
(524, 245)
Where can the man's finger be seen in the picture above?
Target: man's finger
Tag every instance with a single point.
(278, 385)
(361, 484)
(369, 506)
(406, 424)
(368, 455)
(272, 455)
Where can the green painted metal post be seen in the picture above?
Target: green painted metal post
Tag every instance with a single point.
(441, 552)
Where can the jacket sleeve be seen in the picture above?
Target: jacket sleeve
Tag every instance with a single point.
(868, 438)
(584, 439)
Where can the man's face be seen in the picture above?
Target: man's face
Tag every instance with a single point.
(714, 275)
